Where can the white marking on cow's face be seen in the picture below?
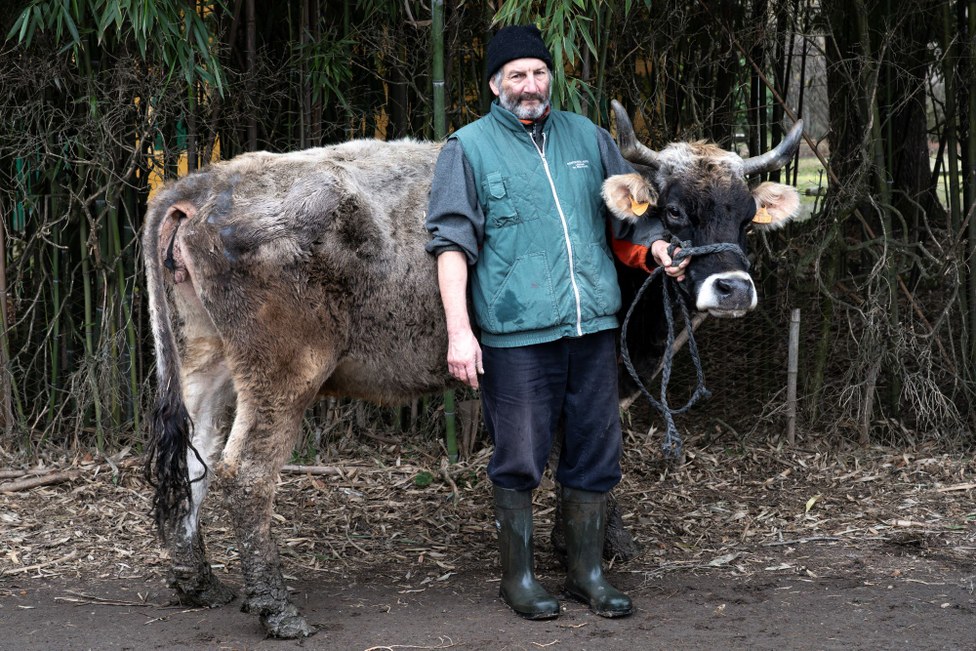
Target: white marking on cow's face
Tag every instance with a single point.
(730, 294)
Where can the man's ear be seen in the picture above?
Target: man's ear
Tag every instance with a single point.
(629, 196)
(776, 204)
(492, 86)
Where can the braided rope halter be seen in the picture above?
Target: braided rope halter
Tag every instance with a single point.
(673, 444)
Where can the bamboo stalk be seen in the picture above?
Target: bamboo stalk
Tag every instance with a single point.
(604, 16)
(42, 480)
(6, 393)
(126, 313)
(437, 70)
(251, 29)
(867, 404)
(871, 77)
(949, 62)
(132, 337)
(969, 187)
(825, 341)
(311, 470)
(305, 106)
(440, 132)
(89, 328)
(55, 325)
(110, 316)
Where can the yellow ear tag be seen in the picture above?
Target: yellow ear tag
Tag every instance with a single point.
(638, 208)
(762, 216)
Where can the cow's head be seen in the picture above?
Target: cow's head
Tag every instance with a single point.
(700, 193)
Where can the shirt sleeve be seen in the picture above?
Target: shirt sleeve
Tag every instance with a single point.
(454, 216)
(630, 240)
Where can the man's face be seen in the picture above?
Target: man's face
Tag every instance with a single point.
(523, 87)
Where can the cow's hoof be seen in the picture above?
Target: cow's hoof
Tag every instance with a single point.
(207, 592)
(287, 624)
(216, 594)
(620, 546)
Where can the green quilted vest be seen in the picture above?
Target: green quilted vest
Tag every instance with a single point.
(545, 270)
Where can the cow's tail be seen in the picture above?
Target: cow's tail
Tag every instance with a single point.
(170, 427)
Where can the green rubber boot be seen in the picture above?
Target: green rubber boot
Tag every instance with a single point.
(585, 514)
(519, 587)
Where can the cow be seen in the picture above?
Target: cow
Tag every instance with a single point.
(700, 194)
(274, 279)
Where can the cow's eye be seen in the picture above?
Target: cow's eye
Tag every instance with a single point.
(676, 215)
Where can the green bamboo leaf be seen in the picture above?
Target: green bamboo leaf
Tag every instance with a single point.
(557, 16)
(44, 20)
(218, 79)
(118, 17)
(569, 49)
(72, 26)
(585, 33)
(199, 32)
(151, 17)
(30, 31)
(20, 26)
(204, 75)
(106, 19)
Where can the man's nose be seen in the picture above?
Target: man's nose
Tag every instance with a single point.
(531, 85)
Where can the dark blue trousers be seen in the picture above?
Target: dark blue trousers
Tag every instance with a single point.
(528, 392)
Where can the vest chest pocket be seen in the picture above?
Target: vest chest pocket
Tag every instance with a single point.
(500, 209)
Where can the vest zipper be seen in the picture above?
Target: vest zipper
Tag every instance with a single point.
(562, 218)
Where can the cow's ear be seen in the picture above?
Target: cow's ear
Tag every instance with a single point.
(628, 196)
(776, 204)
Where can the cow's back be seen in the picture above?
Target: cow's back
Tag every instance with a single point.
(318, 252)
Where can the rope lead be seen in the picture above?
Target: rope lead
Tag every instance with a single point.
(673, 444)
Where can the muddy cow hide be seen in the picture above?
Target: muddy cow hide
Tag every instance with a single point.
(274, 279)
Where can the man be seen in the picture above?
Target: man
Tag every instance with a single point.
(516, 217)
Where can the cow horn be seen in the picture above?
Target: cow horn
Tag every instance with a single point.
(630, 147)
(778, 156)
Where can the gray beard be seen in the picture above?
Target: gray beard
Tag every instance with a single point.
(514, 104)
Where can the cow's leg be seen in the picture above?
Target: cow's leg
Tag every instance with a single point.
(618, 543)
(264, 433)
(208, 393)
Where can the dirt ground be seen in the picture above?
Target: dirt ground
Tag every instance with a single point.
(743, 548)
(848, 599)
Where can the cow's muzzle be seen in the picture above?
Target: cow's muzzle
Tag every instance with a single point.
(730, 294)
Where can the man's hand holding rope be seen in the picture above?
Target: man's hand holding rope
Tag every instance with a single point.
(663, 259)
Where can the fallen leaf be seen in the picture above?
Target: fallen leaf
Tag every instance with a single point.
(724, 559)
(810, 502)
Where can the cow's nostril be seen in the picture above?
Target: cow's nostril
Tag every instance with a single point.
(724, 287)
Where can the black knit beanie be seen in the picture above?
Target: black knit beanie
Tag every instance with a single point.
(516, 42)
